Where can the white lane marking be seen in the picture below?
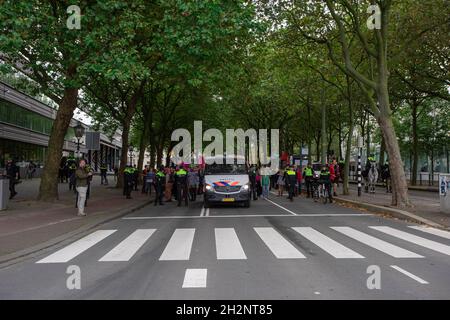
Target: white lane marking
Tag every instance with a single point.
(179, 246)
(409, 274)
(195, 278)
(228, 246)
(436, 232)
(293, 213)
(329, 245)
(207, 212)
(39, 227)
(376, 243)
(280, 247)
(433, 245)
(202, 213)
(256, 215)
(72, 250)
(128, 247)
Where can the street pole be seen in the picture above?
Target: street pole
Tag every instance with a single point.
(324, 129)
(360, 143)
(78, 147)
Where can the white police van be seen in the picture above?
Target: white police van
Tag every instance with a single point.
(227, 182)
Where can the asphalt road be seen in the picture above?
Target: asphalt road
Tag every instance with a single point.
(273, 250)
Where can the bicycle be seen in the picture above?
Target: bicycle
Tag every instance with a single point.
(324, 193)
(315, 192)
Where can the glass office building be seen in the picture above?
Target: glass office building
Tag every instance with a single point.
(25, 127)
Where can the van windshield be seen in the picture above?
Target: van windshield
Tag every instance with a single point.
(225, 169)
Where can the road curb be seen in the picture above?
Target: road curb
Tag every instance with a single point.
(397, 213)
(414, 188)
(16, 257)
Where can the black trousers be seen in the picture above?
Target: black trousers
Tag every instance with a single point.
(309, 186)
(159, 190)
(193, 193)
(104, 179)
(12, 187)
(254, 191)
(291, 191)
(182, 193)
(127, 188)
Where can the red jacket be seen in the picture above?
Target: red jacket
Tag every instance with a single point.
(332, 173)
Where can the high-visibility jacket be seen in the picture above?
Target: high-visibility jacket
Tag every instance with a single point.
(308, 172)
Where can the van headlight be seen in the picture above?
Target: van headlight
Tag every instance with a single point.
(245, 187)
(208, 187)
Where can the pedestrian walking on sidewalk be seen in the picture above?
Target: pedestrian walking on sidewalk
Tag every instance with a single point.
(82, 174)
(103, 174)
(280, 182)
(265, 182)
(12, 173)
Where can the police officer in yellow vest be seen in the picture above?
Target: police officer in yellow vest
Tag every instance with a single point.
(128, 181)
(182, 187)
(291, 180)
(308, 176)
(159, 185)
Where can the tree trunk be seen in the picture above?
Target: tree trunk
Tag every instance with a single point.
(48, 189)
(368, 136)
(382, 151)
(152, 156)
(142, 147)
(126, 123)
(349, 140)
(415, 145)
(400, 187)
(124, 153)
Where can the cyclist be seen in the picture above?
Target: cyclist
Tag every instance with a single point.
(325, 179)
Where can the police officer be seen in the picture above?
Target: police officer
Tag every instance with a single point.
(182, 186)
(160, 185)
(103, 173)
(291, 180)
(252, 176)
(135, 177)
(325, 178)
(12, 173)
(128, 181)
(308, 176)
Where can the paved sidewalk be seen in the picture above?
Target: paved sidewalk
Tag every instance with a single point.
(28, 223)
(425, 204)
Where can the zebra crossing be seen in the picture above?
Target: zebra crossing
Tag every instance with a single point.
(229, 247)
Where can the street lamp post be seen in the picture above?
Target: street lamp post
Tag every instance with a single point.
(130, 151)
(360, 145)
(79, 133)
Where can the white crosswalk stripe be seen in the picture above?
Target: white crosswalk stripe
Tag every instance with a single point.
(128, 247)
(228, 246)
(436, 232)
(280, 247)
(179, 246)
(334, 248)
(376, 243)
(71, 251)
(433, 245)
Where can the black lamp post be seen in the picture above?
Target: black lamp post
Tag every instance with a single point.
(130, 151)
(79, 133)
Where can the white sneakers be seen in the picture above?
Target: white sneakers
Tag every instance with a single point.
(81, 214)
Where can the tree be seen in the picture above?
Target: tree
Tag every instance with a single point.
(35, 41)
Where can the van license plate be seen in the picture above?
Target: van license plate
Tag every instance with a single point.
(228, 199)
